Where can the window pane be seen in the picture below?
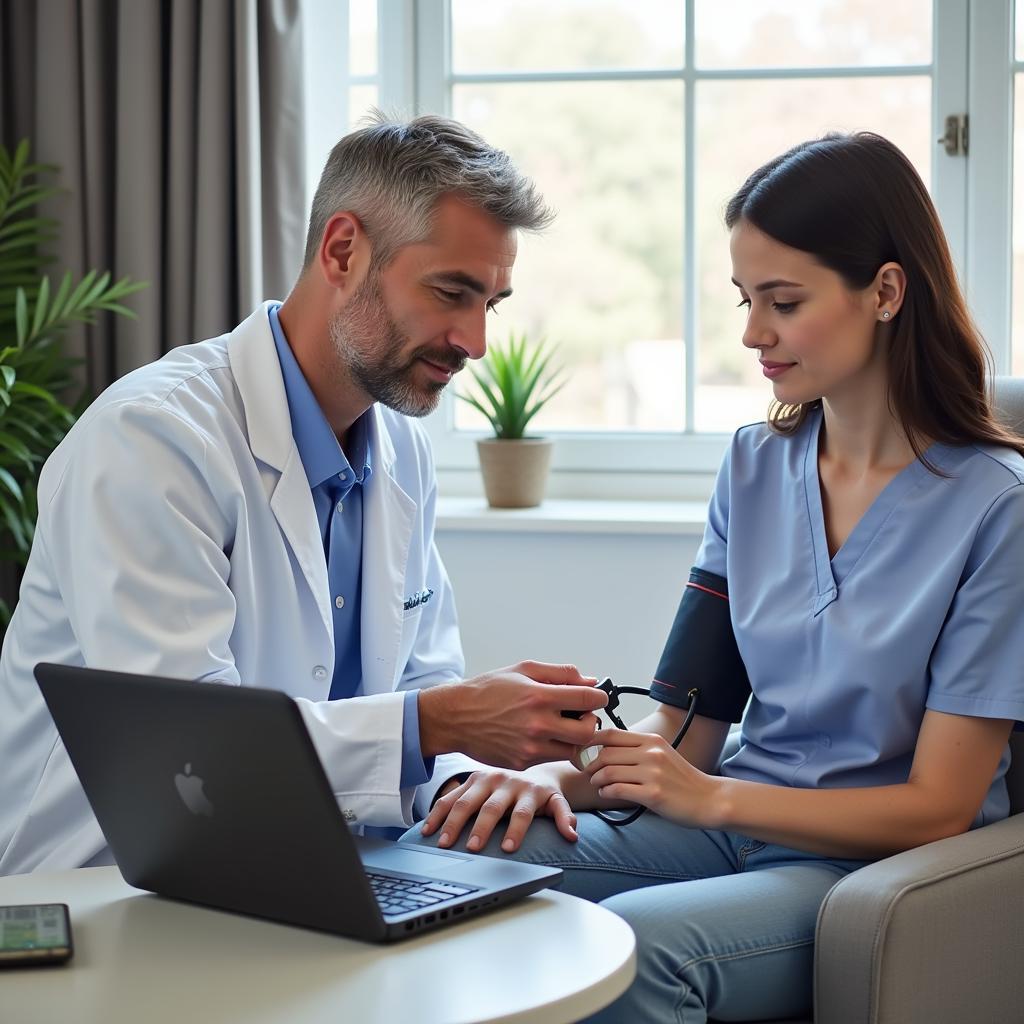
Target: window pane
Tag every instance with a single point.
(362, 37)
(604, 284)
(812, 33)
(1018, 226)
(569, 35)
(361, 100)
(740, 125)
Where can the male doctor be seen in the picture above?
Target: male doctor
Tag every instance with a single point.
(258, 509)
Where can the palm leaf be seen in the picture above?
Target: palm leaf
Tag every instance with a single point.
(35, 370)
(20, 159)
(16, 524)
(42, 300)
(12, 485)
(24, 199)
(31, 226)
(21, 315)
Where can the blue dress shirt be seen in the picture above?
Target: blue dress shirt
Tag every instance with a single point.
(337, 490)
(919, 608)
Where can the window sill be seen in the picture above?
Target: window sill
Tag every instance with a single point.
(560, 515)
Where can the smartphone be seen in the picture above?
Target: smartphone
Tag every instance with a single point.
(35, 934)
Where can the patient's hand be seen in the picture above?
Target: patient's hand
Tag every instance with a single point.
(492, 795)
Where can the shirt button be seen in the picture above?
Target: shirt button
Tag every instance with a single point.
(319, 672)
(339, 602)
(824, 739)
(340, 507)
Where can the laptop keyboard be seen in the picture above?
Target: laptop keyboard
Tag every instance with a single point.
(401, 895)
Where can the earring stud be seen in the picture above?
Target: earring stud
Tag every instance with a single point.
(886, 315)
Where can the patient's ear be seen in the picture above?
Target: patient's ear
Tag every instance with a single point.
(890, 288)
(344, 254)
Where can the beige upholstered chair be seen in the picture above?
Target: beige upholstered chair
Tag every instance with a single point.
(933, 935)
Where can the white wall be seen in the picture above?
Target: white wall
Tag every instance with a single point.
(604, 601)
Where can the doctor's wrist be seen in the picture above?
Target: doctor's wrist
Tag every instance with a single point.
(435, 706)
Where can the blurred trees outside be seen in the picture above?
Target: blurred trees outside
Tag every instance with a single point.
(605, 283)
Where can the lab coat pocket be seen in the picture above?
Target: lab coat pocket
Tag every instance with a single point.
(411, 621)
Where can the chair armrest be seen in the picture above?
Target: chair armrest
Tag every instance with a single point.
(932, 934)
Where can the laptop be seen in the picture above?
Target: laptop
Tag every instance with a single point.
(215, 794)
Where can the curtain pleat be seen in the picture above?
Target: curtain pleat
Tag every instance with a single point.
(139, 158)
(282, 126)
(178, 287)
(178, 128)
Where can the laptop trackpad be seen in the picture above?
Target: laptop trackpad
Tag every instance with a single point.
(413, 862)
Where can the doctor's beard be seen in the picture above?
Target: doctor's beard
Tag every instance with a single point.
(370, 345)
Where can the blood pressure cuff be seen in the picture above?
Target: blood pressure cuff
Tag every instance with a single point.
(701, 651)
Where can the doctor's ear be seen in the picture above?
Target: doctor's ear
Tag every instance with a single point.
(344, 254)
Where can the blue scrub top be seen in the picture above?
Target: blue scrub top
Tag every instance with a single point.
(922, 607)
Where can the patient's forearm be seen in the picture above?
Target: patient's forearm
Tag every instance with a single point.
(860, 823)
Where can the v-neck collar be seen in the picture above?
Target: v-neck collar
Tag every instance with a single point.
(830, 572)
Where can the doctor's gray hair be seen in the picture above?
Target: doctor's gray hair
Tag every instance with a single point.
(391, 175)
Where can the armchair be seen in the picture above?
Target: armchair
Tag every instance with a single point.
(933, 935)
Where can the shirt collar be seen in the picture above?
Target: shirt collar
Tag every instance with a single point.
(322, 457)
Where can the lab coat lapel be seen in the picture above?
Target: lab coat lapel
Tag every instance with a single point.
(388, 517)
(292, 504)
(257, 373)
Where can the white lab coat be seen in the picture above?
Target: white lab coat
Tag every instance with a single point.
(177, 537)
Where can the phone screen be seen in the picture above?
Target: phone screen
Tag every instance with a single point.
(34, 933)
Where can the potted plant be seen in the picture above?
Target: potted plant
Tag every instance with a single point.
(514, 383)
(35, 372)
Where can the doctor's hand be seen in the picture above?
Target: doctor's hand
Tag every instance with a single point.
(512, 717)
(644, 768)
(492, 796)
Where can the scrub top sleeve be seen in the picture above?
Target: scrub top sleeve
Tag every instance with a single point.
(977, 664)
(711, 555)
(701, 651)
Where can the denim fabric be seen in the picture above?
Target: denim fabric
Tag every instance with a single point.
(724, 924)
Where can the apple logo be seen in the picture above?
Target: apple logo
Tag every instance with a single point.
(190, 789)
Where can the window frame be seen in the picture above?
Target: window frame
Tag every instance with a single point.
(971, 70)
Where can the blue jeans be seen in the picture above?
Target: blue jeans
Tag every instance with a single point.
(724, 924)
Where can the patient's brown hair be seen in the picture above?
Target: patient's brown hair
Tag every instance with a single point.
(854, 202)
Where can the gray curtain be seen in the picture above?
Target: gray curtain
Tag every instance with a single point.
(178, 129)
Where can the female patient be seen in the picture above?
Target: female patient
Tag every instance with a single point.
(866, 549)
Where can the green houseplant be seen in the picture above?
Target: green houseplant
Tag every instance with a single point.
(36, 374)
(514, 382)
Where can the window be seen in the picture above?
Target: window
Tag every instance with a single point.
(338, 91)
(613, 155)
(363, 64)
(638, 118)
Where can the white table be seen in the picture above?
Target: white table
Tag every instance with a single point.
(550, 959)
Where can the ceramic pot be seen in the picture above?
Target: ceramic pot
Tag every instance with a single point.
(514, 472)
